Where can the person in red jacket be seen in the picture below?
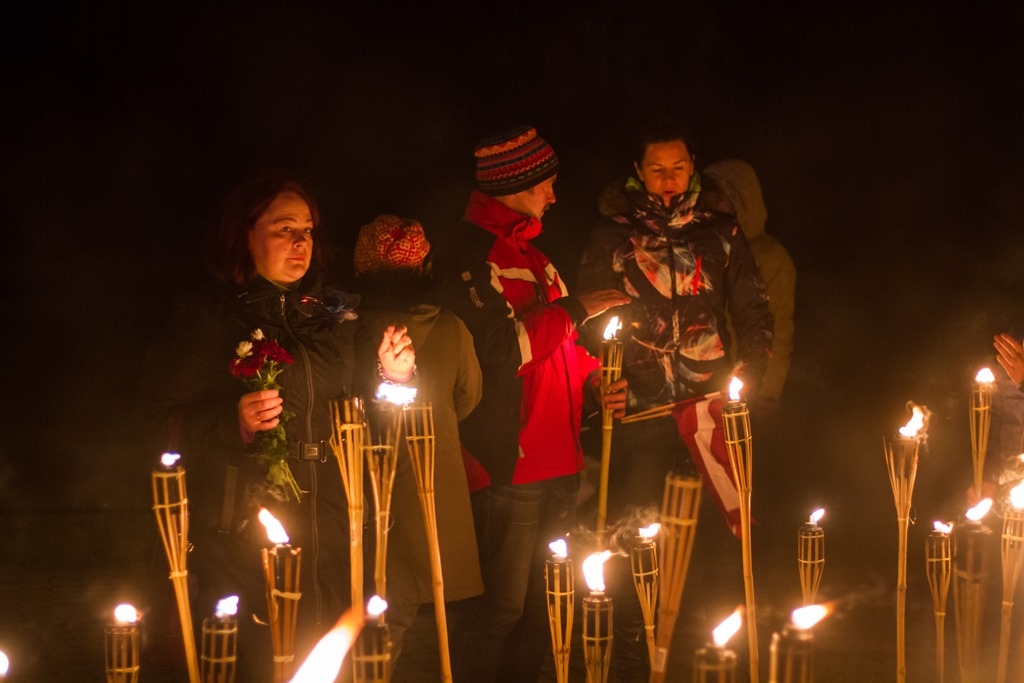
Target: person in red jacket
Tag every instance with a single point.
(525, 432)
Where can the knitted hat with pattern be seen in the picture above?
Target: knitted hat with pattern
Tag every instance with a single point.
(390, 243)
(513, 161)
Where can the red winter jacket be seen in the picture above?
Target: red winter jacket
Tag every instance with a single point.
(526, 427)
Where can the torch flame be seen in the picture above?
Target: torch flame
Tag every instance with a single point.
(985, 376)
(126, 614)
(806, 617)
(817, 515)
(650, 531)
(942, 527)
(275, 532)
(376, 605)
(613, 326)
(4, 664)
(398, 394)
(735, 385)
(1017, 496)
(976, 513)
(226, 607)
(727, 629)
(169, 460)
(593, 570)
(915, 423)
(560, 548)
(324, 662)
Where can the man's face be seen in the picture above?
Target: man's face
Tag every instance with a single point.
(533, 202)
(666, 169)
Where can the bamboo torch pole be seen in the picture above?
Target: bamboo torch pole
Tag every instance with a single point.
(1012, 551)
(970, 580)
(419, 435)
(739, 442)
(939, 565)
(981, 418)
(170, 503)
(559, 578)
(679, 510)
(347, 437)
(611, 371)
(901, 460)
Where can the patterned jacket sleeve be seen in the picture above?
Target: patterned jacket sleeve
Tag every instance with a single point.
(748, 310)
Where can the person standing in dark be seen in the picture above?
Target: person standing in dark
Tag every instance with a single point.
(395, 285)
(688, 272)
(525, 432)
(265, 264)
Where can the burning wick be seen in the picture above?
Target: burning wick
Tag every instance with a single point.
(169, 460)
(324, 661)
(398, 394)
(226, 608)
(806, 617)
(376, 605)
(735, 385)
(914, 425)
(593, 571)
(275, 532)
(126, 614)
(816, 516)
(978, 512)
(559, 548)
(649, 532)
(612, 328)
(728, 628)
(942, 528)
(984, 376)
(1017, 496)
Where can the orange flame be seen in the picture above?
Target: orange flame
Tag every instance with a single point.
(560, 548)
(942, 527)
(817, 515)
(593, 570)
(727, 629)
(169, 460)
(806, 617)
(976, 513)
(735, 385)
(275, 532)
(324, 662)
(612, 328)
(915, 423)
(650, 531)
(985, 376)
(126, 614)
(1017, 496)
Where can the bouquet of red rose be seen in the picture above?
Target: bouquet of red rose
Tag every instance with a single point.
(257, 362)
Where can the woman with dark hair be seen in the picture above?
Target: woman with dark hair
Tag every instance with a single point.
(265, 288)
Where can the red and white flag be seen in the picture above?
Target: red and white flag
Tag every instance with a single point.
(701, 429)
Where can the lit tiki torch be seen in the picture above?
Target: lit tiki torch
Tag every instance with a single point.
(324, 662)
(643, 556)
(970, 574)
(561, 592)
(371, 656)
(939, 564)
(714, 663)
(739, 442)
(220, 642)
(383, 421)
(611, 370)
(792, 650)
(981, 418)
(419, 436)
(597, 619)
(810, 556)
(1012, 551)
(679, 509)
(122, 646)
(281, 565)
(170, 504)
(348, 433)
(901, 459)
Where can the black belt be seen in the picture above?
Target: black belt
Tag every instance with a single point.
(302, 451)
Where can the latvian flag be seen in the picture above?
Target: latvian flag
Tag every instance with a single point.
(700, 427)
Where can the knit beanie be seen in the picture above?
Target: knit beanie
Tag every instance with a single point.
(513, 161)
(390, 243)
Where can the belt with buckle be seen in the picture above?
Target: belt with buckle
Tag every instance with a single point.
(302, 451)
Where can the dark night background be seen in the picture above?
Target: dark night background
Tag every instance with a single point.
(888, 141)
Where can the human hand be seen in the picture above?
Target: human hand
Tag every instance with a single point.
(1010, 354)
(614, 398)
(259, 410)
(599, 301)
(396, 354)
